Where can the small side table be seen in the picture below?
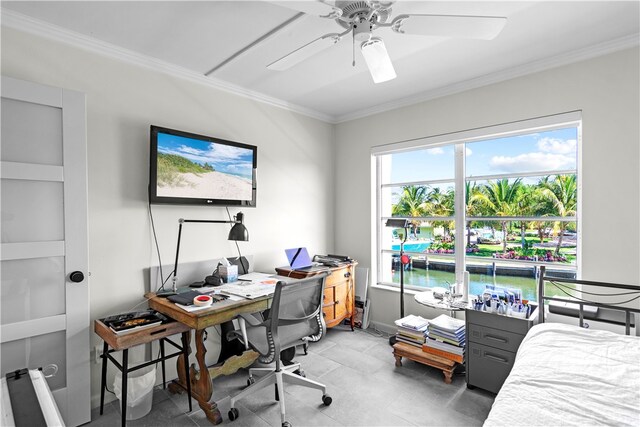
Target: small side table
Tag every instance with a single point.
(144, 336)
(416, 354)
(426, 298)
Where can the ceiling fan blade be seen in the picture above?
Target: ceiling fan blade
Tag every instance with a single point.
(315, 7)
(471, 27)
(305, 52)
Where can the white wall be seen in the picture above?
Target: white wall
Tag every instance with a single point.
(607, 91)
(123, 100)
(295, 172)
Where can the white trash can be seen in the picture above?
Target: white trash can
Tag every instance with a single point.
(139, 391)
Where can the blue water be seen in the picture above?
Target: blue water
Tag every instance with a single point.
(413, 247)
(419, 278)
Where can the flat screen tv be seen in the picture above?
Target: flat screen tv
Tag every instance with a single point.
(201, 170)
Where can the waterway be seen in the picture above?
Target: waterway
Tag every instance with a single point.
(477, 282)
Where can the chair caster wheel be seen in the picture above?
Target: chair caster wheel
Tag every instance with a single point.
(250, 381)
(233, 414)
(286, 424)
(326, 399)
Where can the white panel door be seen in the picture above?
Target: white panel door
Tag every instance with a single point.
(44, 316)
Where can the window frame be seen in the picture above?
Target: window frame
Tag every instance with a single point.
(459, 140)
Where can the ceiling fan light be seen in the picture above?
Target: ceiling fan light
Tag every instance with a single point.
(377, 59)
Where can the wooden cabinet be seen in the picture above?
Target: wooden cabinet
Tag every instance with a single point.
(492, 343)
(339, 291)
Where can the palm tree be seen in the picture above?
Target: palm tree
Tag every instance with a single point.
(438, 203)
(528, 203)
(471, 189)
(411, 204)
(562, 192)
(499, 198)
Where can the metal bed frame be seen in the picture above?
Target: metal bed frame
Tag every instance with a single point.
(582, 302)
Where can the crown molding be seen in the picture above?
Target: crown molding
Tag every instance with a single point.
(31, 25)
(21, 22)
(594, 51)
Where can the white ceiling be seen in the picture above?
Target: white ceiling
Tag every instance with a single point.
(198, 36)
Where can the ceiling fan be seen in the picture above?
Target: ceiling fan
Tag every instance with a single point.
(362, 18)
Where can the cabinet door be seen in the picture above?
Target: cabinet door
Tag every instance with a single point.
(341, 299)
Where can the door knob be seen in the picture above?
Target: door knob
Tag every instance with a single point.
(76, 276)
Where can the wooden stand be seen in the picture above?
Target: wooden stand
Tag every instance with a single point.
(123, 342)
(416, 354)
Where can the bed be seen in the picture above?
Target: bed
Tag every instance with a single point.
(568, 375)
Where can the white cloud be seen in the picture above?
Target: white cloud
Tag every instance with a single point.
(533, 162)
(557, 146)
(190, 150)
(435, 151)
(467, 152)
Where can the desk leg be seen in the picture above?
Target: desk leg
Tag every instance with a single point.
(103, 380)
(200, 381)
(125, 374)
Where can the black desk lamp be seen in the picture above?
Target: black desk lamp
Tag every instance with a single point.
(400, 223)
(238, 232)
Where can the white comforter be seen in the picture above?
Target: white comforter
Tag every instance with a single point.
(566, 375)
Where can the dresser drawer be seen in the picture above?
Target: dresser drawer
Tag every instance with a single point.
(328, 305)
(488, 367)
(495, 338)
(338, 276)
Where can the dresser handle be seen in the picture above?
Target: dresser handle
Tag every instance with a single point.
(497, 358)
(499, 339)
(347, 274)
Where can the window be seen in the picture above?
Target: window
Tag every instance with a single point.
(513, 189)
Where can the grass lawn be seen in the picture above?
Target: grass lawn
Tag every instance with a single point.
(487, 251)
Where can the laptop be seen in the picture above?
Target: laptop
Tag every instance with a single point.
(298, 258)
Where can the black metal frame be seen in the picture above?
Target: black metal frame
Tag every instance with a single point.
(581, 302)
(125, 369)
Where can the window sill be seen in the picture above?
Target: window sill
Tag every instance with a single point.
(384, 287)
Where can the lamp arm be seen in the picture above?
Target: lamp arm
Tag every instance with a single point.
(211, 221)
(180, 222)
(175, 267)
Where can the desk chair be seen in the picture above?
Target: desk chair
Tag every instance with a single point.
(295, 318)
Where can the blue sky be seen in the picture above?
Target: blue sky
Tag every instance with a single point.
(544, 151)
(224, 158)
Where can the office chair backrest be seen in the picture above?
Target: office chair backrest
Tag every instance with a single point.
(296, 312)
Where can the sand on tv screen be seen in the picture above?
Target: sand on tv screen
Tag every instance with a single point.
(200, 169)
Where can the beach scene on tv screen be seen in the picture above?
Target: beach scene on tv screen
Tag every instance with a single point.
(199, 169)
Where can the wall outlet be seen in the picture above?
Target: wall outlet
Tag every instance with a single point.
(98, 353)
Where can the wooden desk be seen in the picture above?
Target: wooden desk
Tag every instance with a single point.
(200, 377)
(339, 291)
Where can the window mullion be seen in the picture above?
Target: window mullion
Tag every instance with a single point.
(460, 212)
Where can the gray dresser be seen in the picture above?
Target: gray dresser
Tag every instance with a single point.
(492, 343)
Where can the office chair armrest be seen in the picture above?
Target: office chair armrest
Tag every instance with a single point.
(251, 319)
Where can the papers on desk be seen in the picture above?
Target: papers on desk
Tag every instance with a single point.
(249, 290)
(254, 276)
(192, 308)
